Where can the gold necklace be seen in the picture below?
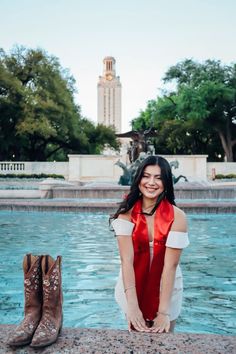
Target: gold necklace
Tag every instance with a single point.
(148, 211)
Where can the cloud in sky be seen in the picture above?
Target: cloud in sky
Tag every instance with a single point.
(146, 37)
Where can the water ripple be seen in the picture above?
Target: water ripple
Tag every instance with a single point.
(91, 266)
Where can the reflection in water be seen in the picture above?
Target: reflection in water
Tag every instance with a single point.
(91, 265)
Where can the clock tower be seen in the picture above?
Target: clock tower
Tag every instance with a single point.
(109, 96)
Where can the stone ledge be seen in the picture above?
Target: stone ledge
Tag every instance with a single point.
(208, 207)
(99, 341)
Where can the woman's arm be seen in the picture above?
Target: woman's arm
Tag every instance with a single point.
(172, 257)
(134, 315)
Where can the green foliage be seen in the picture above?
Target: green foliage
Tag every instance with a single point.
(31, 176)
(38, 117)
(198, 116)
(228, 176)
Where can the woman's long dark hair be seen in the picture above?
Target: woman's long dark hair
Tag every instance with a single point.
(134, 193)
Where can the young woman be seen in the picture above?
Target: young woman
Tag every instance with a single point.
(151, 233)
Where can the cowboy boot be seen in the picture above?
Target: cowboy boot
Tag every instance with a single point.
(33, 302)
(51, 320)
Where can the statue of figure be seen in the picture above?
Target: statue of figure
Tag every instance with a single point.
(135, 165)
(125, 178)
(137, 151)
(139, 142)
(137, 148)
(130, 151)
(175, 164)
(129, 172)
(150, 148)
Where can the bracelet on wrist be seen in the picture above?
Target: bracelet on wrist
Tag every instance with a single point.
(163, 313)
(129, 287)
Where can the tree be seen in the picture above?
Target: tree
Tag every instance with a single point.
(175, 136)
(198, 115)
(38, 117)
(206, 99)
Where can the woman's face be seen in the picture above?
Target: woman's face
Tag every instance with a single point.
(151, 185)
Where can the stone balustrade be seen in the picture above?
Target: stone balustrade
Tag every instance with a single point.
(102, 168)
(12, 167)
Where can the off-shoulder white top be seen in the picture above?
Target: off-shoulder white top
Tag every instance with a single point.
(175, 239)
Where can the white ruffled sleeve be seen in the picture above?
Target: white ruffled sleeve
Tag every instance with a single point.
(177, 239)
(122, 227)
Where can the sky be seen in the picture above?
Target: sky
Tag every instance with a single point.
(145, 37)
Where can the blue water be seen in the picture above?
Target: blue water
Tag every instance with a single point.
(91, 265)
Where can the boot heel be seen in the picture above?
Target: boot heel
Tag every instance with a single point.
(60, 329)
(33, 302)
(51, 321)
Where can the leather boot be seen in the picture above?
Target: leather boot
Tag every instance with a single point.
(33, 301)
(51, 320)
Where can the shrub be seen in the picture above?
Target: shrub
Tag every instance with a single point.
(36, 176)
(228, 176)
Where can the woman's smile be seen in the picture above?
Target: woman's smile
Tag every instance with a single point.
(151, 190)
(151, 185)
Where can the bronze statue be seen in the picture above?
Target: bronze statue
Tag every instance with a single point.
(140, 147)
(139, 142)
(129, 172)
(175, 164)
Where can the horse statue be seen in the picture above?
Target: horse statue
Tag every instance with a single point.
(175, 164)
(134, 166)
(129, 172)
(140, 142)
(125, 179)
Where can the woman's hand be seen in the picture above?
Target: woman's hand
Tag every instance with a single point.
(135, 318)
(161, 323)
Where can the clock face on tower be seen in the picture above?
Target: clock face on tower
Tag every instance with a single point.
(109, 77)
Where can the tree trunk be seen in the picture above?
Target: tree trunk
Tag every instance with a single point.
(53, 151)
(227, 148)
(226, 141)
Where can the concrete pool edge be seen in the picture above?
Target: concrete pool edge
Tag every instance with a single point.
(206, 207)
(85, 340)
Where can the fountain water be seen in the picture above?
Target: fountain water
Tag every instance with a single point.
(192, 196)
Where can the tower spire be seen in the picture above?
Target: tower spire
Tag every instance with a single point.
(109, 95)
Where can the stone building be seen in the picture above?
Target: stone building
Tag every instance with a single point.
(109, 95)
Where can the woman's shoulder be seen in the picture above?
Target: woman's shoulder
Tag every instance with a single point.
(179, 212)
(180, 220)
(126, 216)
(123, 225)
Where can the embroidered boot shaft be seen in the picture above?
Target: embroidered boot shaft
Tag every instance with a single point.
(51, 321)
(33, 301)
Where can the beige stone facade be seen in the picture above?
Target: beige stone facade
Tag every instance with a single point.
(109, 96)
(103, 168)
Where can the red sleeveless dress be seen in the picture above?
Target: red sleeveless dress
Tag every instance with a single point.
(148, 276)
